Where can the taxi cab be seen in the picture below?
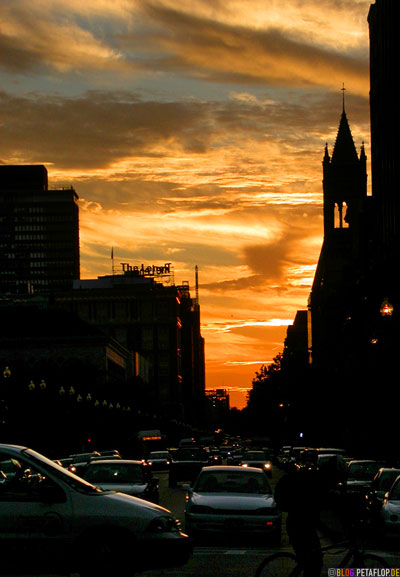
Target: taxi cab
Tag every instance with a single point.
(51, 519)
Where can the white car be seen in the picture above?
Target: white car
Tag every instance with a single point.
(232, 499)
(390, 512)
(53, 520)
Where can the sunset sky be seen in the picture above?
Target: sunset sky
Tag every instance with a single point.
(193, 133)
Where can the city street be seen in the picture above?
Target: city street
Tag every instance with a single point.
(213, 558)
(221, 558)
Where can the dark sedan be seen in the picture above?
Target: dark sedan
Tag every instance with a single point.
(186, 464)
(257, 459)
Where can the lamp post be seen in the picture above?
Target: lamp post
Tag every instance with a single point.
(4, 397)
(386, 308)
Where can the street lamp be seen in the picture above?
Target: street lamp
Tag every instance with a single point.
(386, 309)
(6, 373)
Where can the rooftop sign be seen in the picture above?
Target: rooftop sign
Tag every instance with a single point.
(148, 271)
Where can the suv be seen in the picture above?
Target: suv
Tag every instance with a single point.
(52, 520)
(186, 464)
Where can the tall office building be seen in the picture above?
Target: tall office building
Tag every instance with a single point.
(39, 232)
(384, 26)
(159, 324)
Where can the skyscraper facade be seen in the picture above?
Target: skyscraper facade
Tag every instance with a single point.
(384, 26)
(39, 232)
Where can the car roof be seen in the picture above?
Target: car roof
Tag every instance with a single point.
(115, 462)
(230, 468)
(17, 447)
(363, 461)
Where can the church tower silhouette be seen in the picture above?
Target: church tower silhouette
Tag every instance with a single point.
(342, 256)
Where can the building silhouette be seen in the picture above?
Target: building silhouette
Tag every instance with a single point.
(351, 397)
(344, 250)
(159, 324)
(39, 232)
(151, 339)
(384, 18)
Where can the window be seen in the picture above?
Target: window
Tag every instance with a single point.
(19, 481)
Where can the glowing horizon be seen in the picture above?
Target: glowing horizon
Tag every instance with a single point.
(193, 134)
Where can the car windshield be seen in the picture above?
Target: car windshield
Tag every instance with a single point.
(387, 479)
(363, 471)
(255, 455)
(115, 473)
(159, 455)
(73, 480)
(232, 482)
(190, 455)
(394, 494)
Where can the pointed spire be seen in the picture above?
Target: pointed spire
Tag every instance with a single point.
(327, 158)
(344, 151)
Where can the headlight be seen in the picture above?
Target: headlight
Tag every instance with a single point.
(164, 525)
(267, 465)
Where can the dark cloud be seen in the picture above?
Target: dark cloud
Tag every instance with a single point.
(218, 51)
(97, 129)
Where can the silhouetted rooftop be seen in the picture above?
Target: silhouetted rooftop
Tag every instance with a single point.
(23, 177)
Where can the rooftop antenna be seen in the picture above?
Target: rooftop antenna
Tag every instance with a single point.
(197, 283)
(112, 261)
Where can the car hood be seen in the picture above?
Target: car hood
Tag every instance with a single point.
(393, 506)
(234, 500)
(189, 462)
(130, 488)
(108, 506)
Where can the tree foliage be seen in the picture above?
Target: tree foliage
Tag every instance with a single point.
(263, 399)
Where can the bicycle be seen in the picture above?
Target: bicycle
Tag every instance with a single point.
(284, 564)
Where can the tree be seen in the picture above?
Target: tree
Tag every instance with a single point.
(265, 398)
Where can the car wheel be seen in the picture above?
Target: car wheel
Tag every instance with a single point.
(102, 554)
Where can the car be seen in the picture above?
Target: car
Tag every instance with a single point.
(159, 460)
(360, 473)
(186, 464)
(381, 484)
(188, 442)
(52, 521)
(230, 499)
(235, 457)
(79, 461)
(257, 459)
(123, 475)
(389, 518)
(312, 458)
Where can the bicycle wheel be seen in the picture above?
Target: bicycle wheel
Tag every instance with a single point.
(279, 565)
(372, 561)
